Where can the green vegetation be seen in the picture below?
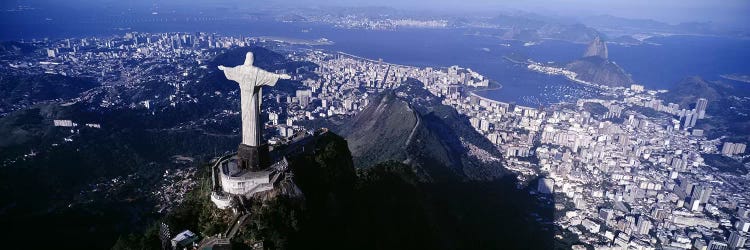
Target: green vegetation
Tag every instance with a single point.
(598, 70)
(727, 110)
(197, 213)
(25, 90)
(649, 112)
(16, 50)
(381, 207)
(386, 121)
(61, 195)
(725, 164)
(687, 91)
(64, 201)
(423, 132)
(596, 109)
(149, 241)
(276, 223)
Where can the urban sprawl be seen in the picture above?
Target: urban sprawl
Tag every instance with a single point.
(618, 179)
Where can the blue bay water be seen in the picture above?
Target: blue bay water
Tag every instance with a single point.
(656, 66)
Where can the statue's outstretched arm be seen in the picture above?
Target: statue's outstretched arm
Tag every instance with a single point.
(229, 72)
(270, 79)
(284, 76)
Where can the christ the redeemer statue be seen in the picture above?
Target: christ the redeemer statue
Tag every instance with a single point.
(251, 79)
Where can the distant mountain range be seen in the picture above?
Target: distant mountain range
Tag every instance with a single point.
(530, 27)
(577, 33)
(618, 26)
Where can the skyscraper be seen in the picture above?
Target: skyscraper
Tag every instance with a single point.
(737, 239)
(700, 107)
(694, 119)
(702, 193)
(730, 148)
(643, 226)
(688, 119)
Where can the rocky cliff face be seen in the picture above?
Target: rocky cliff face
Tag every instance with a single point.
(595, 69)
(369, 128)
(390, 129)
(421, 132)
(597, 48)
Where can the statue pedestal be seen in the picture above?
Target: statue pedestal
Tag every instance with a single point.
(253, 158)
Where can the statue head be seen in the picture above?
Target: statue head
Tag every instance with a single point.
(249, 58)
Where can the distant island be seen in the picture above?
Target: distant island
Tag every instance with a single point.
(737, 77)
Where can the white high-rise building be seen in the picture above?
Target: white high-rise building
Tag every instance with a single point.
(737, 239)
(484, 125)
(304, 97)
(742, 225)
(700, 107)
(636, 88)
(730, 148)
(644, 225)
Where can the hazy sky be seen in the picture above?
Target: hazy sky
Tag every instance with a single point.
(735, 12)
(672, 11)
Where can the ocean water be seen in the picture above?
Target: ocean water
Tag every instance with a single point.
(677, 57)
(658, 65)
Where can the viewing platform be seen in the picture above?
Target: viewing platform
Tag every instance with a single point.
(229, 179)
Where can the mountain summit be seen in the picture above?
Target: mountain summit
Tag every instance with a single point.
(597, 48)
(430, 137)
(691, 88)
(391, 129)
(595, 67)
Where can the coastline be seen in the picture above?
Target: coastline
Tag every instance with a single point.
(297, 41)
(477, 92)
(374, 61)
(515, 61)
